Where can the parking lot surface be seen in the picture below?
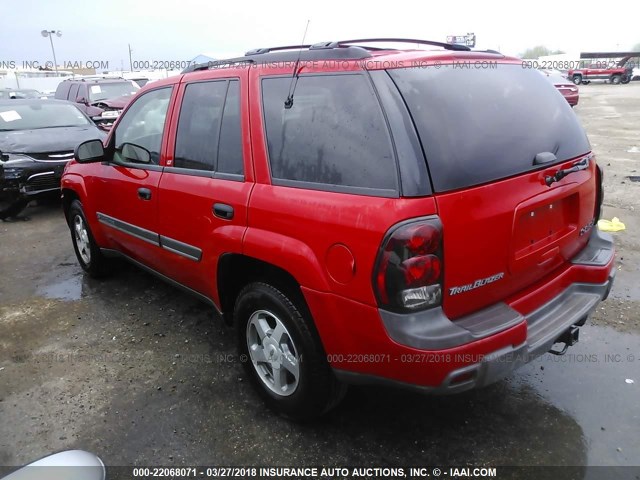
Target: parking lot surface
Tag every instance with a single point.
(142, 374)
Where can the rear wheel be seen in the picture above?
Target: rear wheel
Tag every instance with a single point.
(282, 354)
(616, 79)
(577, 79)
(87, 251)
(626, 79)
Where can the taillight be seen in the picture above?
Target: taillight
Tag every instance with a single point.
(409, 268)
(599, 191)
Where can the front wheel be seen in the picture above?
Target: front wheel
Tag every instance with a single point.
(87, 251)
(577, 79)
(616, 79)
(282, 354)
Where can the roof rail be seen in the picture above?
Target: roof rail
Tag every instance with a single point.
(290, 53)
(260, 51)
(344, 43)
(340, 50)
(84, 78)
(229, 62)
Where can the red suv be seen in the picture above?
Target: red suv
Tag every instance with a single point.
(361, 215)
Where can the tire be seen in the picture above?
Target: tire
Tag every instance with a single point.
(12, 207)
(87, 251)
(282, 354)
(577, 79)
(626, 79)
(616, 79)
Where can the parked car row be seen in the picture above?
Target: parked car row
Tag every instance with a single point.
(37, 139)
(38, 135)
(100, 98)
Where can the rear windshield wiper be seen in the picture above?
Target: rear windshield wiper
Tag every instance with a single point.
(560, 174)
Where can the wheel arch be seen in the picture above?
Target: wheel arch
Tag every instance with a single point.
(73, 188)
(236, 270)
(68, 196)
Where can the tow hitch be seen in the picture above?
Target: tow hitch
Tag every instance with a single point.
(568, 339)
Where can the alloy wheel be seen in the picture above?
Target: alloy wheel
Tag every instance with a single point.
(273, 354)
(81, 237)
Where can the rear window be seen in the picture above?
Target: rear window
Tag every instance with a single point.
(481, 125)
(107, 90)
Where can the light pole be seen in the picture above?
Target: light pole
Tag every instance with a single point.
(50, 34)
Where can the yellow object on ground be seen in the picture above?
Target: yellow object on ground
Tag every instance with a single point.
(613, 225)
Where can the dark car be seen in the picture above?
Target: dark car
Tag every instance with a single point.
(568, 90)
(357, 219)
(37, 139)
(20, 93)
(102, 99)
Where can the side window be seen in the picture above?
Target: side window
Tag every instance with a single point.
(230, 147)
(143, 123)
(199, 125)
(334, 134)
(73, 91)
(209, 134)
(82, 93)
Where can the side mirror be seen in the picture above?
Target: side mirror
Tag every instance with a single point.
(82, 100)
(135, 153)
(89, 151)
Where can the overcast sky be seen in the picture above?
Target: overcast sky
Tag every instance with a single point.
(156, 30)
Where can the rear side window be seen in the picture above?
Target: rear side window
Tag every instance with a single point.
(481, 125)
(334, 134)
(73, 92)
(209, 135)
(230, 147)
(62, 91)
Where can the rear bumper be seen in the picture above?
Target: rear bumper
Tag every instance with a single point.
(430, 353)
(544, 327)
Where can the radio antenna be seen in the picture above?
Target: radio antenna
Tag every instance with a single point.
(288, 103)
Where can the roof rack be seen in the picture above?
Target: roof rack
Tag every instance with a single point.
(85, 78)
(260, 51)
(230, 62)
(340, 50)
(344, 43)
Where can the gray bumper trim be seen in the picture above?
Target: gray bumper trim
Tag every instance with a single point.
(432, 329)
(598, 251)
